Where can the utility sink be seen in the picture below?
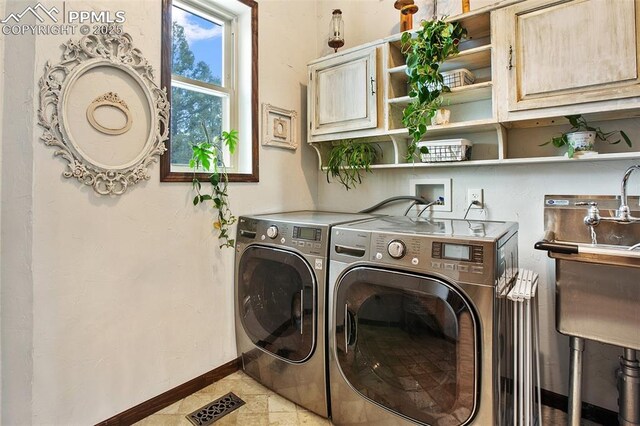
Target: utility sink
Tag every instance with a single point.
(597, 275)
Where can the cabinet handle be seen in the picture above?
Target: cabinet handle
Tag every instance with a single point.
(373, 92)
(510, 57)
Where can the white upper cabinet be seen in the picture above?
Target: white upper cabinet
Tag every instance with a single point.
(343, 93)
(553, 53)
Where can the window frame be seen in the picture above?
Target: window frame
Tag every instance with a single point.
(166, 175)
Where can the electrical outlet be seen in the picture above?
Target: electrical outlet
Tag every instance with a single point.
(475, 196)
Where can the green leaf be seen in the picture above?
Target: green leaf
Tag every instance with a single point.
(231, 140)
(196, 200)
(626, 138)
(206, 164)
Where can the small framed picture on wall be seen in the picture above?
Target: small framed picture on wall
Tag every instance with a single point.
(279, 127)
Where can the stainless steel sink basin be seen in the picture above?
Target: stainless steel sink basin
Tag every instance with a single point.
(597, 285)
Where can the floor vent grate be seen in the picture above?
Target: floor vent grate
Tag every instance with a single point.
(215, 410)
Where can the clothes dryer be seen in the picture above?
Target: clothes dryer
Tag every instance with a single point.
(280, 291)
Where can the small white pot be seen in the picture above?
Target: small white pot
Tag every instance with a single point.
(582, 141)
(441, 117)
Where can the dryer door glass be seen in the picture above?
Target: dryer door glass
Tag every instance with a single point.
(277, 301)
(408, 343)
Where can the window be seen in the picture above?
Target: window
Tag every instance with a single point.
(209, 67)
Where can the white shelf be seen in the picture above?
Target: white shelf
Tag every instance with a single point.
(458, 95)
(478, 57)
(512, 161)
(472, 126)
(397, 70)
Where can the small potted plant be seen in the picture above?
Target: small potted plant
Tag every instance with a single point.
(348, 159)
(581, 138)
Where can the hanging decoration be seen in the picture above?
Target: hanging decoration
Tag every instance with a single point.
(407, 9)
(101, 80)
(336, 30)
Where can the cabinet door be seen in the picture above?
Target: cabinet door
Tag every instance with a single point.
(569, 52)
(342, 93)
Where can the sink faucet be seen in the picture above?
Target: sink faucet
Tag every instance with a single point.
(623, 214)
(623, 211)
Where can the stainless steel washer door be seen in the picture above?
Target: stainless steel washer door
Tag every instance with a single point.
(277, 302)
(408, 343)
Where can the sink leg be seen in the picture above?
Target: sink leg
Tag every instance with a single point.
(629, 389)
(575, 381)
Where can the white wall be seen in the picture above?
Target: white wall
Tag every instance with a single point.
(16, 293)
(1, 119)
(512, 192)
(109, 301)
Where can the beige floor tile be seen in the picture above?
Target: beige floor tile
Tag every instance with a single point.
(212, 389)
(265, 408)
(283, 419)
(164, 420)
(311, 419)
(280, 404)
(252, 419)
(256, 404)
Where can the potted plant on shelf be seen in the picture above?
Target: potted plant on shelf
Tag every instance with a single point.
(581, 138)
(348, 159)
(208, 156)
(425, 50)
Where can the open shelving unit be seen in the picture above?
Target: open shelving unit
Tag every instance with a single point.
(474, 114)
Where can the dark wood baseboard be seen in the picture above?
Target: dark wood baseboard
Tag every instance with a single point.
(589, 412)
(167, 398)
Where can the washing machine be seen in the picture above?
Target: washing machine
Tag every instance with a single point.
(280, 291)
(417, 330)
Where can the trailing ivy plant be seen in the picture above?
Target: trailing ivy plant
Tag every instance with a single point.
(425, 50)
(208, 156)
(348, 159)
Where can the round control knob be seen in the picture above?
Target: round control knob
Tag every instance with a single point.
(272, 232)
(396, 249)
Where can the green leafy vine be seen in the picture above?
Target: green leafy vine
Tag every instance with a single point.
(425, 50)
(208, 156)
(348, 159)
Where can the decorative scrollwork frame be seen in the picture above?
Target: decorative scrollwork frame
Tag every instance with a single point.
(78, 58)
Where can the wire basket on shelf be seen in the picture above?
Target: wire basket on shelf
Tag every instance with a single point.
(446, 150)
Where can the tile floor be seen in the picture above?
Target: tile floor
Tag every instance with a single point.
(265, 408)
